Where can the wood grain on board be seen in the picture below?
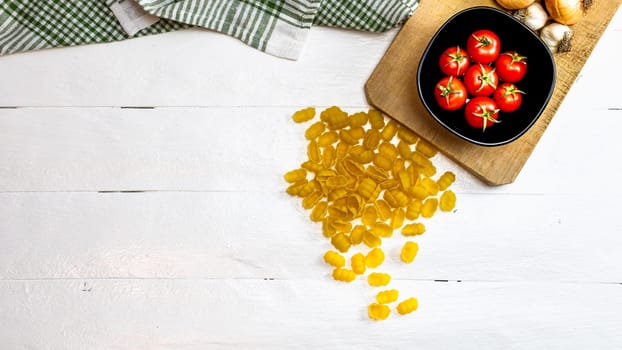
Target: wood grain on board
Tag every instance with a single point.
(392, 87)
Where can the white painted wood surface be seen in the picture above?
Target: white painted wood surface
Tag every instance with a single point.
(168, 228)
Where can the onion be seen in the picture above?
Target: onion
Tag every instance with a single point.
(514, 4)
(567, 12)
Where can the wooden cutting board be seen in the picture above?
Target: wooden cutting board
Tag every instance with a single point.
(392, 87)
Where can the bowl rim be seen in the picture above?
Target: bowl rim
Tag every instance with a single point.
(538, 113)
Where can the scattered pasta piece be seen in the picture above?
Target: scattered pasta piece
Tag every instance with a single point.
(429, 207)
(358, 263)
(335, 259)
(374, 258)
(387, 296)
(378, 312)
(378, 279)
(409, 252)
(304, 115)
(295, 175)
(446, 180)
(448, 201)
(413, 229)
(341, 242)
(343, 275)
(407, 306)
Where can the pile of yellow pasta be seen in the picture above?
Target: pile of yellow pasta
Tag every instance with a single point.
(364, 178)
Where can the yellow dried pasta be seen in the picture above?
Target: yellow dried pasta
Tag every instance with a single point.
(413, 229)
(357, 261)
(363, 178)
(316, 129)
(378, 312)
(335, 259)
(387, 296)
(341, 242)
(378, 279)
(344, 275)
(409, 252)
(304, 115)
(407, 306)
(448, 201)
(295, 175)
(374, 258)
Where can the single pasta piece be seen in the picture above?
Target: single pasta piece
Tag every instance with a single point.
(371, 240)
(446, 180)
(341, 242)
(378, 312)
(389, 130)
(448, 201)
(304, 115)
(376, 120)
(314, 130)
(413, 229)
(356, 235)
(358, 263)
(295, 175)
(413, 210)
(378, 279)
(358, 119)
(397, 220)
(372, 139)
(387, 296)
(374, 258)
(407, 136)
(327, 138)
(430, 185)
(426, 148)
(409, 252)
(380, 229)
(335, 259)
(404, 149)
(369, 215)
(407, 306)
(429, 207)
(344, 275)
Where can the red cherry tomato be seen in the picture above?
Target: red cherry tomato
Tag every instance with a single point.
(454, 61)
(481, 80)
(450, 93)
(511, 67)
(481, 112)
(483, 46)
(508, 97)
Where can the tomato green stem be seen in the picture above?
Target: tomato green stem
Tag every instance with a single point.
(446, 91)
(486, 78)
(487, 116)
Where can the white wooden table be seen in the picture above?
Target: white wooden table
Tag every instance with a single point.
(167, 227)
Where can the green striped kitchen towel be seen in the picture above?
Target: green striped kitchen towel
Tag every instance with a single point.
(278, 27)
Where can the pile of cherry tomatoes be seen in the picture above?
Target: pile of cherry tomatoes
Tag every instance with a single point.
(480, 79)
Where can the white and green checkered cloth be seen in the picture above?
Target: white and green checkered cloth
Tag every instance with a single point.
(278, 27)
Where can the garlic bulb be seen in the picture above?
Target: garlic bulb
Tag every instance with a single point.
(567, 12)
(514, 4)
(557, 37)
(534, 16)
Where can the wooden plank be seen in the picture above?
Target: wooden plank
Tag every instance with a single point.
(194, 68)
(198, 149)
(304, 313)
(268, 235)
(391, 87)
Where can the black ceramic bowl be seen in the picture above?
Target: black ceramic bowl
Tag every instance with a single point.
(537, 84)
